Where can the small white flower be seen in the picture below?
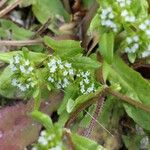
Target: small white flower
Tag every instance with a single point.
(51, 79)
(30, 69)
(68, 65)
(42, 140)
(13, 68)
(65, 73)
(86, 80)
(59, 62)
(56, 148)
(22, 69)
(27, 62)
(147, 22)
(53, 68)
(14, 82)
(22, 88)
(17, 59)
(124, 13)
(61, 66)
(43, 133)
(51, 137)
(127, 50)
(27, 86)
(53, 62)
(71, 72)
(129, 40)
(34, 148)
(111, 15)
(148, 32)
(142, 26)
(136, 38)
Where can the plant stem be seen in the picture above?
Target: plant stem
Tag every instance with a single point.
(42, 29)
(99, 105)
(9, 8)
(20, 43)
(70, 144)
(129, 100)
(80, 108)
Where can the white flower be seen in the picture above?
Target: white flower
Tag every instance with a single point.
(13, 68)
(17, 59)
(107, 17)
(86, 80)
(58, 147)
(130, 19)
(129, 40)
(146, 53)
(65, 82)
(42, 140)
(51, 79)
(71, 72)
(34, 148)
(27, 62)
(22, 87)
(142, 26)
(68, 65)
(43, 133)
(53, 68)
(14, 82)
(124, 13)
(61, 66)
(124, 3)
(30, 69)
(59, 62)
(147, 32)
(51, 137)
(65, 73)
(22, 69)
(136, 38)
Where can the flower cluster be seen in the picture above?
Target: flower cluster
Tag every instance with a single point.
(86, 83)
(124, 3)
(133, 44)
(61, 73)
(23, 73)
(146, 53)
(145, 27)
(49, 141)
(127, 17)
(107, 17)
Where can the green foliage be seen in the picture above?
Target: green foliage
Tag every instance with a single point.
(84, 63)
(44, 119)
(106, 46)
(16, 32)
(64, 48)
(43, 10)
(127, 78)
(82, 143)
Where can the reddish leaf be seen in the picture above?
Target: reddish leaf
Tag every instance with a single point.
(17, 129)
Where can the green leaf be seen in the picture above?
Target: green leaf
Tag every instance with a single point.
(82, 143)
(70, 105)
(6, 89)
(88, 3)
(17, 32)
(134, 86)
(70, 93)
(106, 46)
(64, 48)
(45, 9)
(83, 98)
(43, 118)
(84, 62)
(33, 56)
